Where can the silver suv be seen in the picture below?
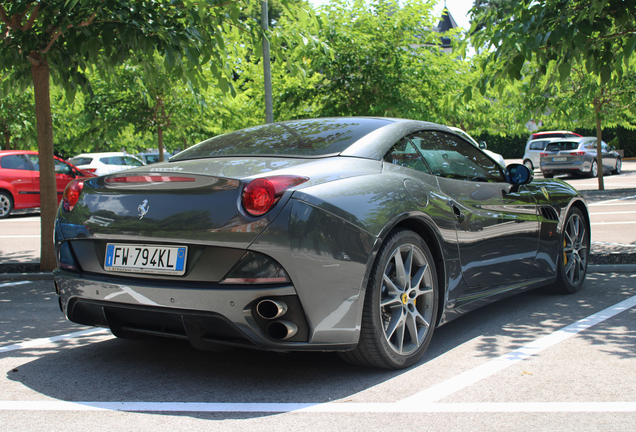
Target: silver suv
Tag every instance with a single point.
(532, 156)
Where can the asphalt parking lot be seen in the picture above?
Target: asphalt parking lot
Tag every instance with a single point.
(533, 362)
(537, 361)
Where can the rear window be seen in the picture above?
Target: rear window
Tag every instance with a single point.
(538, 145)
(559, 146)
(304, 138)
(81, 161)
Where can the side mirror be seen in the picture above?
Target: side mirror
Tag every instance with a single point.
(482, 145)
(518, 174)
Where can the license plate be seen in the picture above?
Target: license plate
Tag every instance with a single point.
(561, 159)
(136, 258)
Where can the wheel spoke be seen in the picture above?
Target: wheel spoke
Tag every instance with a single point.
(392, 294)
(400, 271)
(416, 281)
(414, 322)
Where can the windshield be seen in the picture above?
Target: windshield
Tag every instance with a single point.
(303, 138)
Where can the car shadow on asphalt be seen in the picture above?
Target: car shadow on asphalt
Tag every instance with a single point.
(105, 370)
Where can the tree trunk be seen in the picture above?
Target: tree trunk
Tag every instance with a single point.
(160, 129)
(599, 148)
(48, 188)
(160, 139)
(7, 139)
(185, 143)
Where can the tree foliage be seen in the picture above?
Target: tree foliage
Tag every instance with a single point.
(592, 38)
(59, 41)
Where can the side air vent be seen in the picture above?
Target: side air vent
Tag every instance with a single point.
(549, 213)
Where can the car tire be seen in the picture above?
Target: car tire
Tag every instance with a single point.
(574, 253)
(6, 204)
(528, 164)
(619, 167)
(548, 175)
(593, 169)
(400, 307)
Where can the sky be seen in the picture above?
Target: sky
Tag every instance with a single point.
(458, 9)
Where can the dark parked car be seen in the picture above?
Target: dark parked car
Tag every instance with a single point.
(20, 180)
(355, 235)
(578, 156)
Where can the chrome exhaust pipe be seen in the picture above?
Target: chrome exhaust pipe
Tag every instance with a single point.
(281, 330)
(271, 309)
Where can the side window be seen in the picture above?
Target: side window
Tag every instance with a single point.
(35, 160)
(18, 162)
(131, 161)
(62, 168)
(452, 157)
(404, 154)
(113, 160)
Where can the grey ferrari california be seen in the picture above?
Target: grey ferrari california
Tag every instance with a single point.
(354, 235)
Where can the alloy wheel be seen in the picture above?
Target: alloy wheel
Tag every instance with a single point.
(5, 205)
(575, 249)
(406, 299)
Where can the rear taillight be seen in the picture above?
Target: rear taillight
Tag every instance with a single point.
(90, 170)
(545, 154)
(579, 153)
(72, 194)
(261, 194)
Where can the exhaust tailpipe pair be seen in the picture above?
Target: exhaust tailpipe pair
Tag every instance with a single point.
(272, 309)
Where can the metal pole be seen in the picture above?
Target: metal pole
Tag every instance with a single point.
(267, 74)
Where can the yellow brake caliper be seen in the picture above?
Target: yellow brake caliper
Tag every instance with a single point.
(565, 257)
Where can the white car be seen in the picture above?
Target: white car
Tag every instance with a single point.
(534, 148)
(105, 163)
(496, 156)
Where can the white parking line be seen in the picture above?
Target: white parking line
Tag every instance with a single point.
(14, 283)
(613, 223)
(612, 213)
(20, 236)
(607, 202)
(470, 377)
(614, 244)
(421, 402)
(30, 219)
(329, 407)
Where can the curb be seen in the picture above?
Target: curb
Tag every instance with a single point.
(26, 276)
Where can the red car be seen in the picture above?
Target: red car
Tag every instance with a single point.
(20, 179)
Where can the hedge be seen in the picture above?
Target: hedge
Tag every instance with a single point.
(513, 147)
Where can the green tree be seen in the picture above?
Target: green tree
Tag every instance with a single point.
(59, 40)
(377, 48)
(16, 120)
(557, 36)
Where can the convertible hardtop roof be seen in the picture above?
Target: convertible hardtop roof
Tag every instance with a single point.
(310, 138)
